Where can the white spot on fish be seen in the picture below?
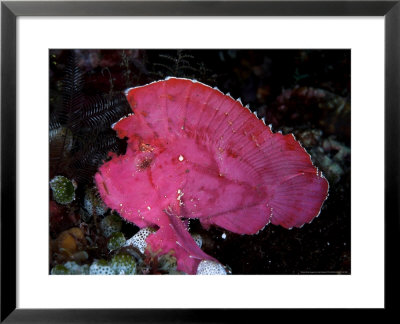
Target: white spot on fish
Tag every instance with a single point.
(180, 194)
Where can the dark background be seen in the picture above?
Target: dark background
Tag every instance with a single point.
(306, 92)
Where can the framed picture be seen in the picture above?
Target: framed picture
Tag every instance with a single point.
(95, 200)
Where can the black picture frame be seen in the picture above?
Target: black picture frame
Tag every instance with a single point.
(10, 10)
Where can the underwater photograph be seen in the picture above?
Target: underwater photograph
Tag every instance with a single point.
(199, 161)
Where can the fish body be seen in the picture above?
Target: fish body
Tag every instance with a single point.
(194, 152)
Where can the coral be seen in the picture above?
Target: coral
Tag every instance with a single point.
(120, 264)
(156, 263)
(63, 190)
(207, 267)
(77, 269)
(333, 157)
(167, 263)
(70, 245)
(123, 264)
(71, 268)
(139, 239)
(111, 224)
(93, 203)
(220, 165)
(101, 267)
(309, 138)
(115, 241)
(59, 269)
